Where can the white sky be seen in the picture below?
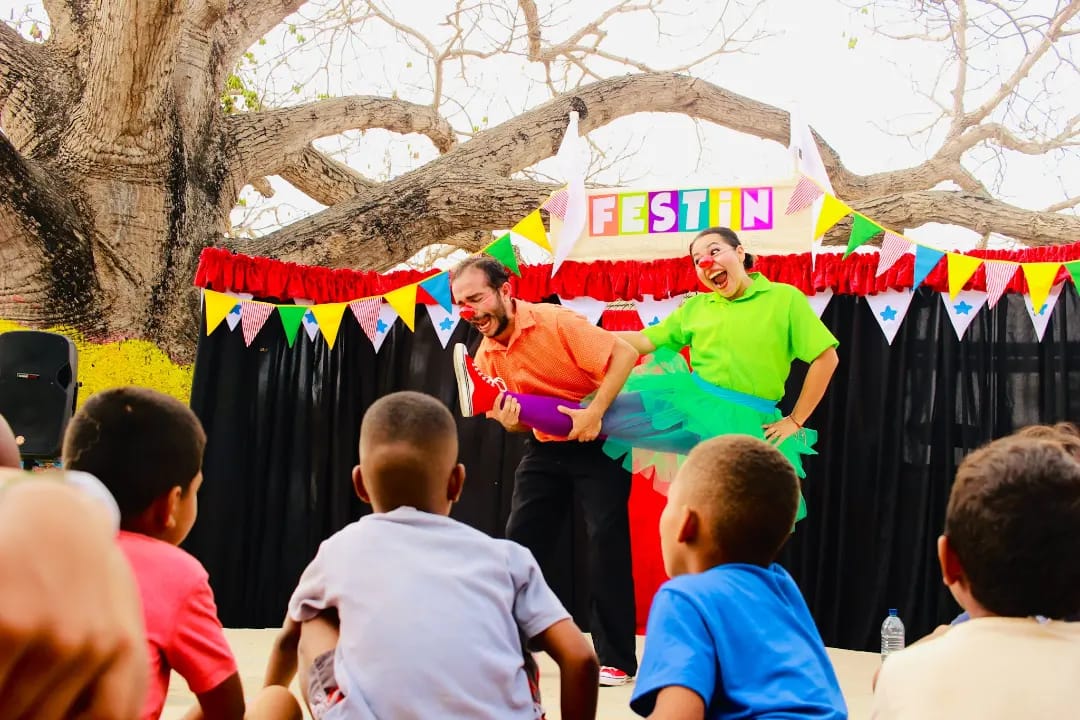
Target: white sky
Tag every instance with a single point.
(851, 96)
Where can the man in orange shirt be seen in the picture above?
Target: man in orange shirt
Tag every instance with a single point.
(544, 349)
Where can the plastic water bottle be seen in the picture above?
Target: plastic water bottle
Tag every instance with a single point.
(892, 634)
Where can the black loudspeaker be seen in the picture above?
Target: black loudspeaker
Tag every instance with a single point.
(38, 388)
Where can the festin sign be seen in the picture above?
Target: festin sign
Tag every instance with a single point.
(641, 225)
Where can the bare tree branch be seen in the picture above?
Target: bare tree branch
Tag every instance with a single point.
(21, 61)
(976, 212)
(263, 139)
(398, 218)
(1065, 204)
(323, 178)
(243, 22)
(46, 264)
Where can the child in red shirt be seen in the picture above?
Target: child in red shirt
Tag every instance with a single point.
(147, 449)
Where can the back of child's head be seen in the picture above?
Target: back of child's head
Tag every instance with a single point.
(408, 447)
(138, 442)
(747, 491)
(1063, 432)
(1012, 521)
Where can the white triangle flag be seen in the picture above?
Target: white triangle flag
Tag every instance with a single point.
(963, 309)
(443, 321)
(653, 311)
(387, 316)
(311, 325)
(573, 158)
(889, 309)
(591, 308)
(233, 318)
(820, 300)
(1041, 318)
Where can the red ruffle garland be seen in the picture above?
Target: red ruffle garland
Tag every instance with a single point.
(604, 280)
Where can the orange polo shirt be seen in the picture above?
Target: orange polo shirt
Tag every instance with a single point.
(552, 351)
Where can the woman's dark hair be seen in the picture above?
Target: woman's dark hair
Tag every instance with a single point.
(728, 236)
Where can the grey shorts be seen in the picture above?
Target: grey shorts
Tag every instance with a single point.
(323, 691)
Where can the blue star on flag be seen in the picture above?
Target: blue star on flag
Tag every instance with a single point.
(1042, 309)
(962, 308)
(655, 320)
(447, 324)
(888, 314)
(380, 326)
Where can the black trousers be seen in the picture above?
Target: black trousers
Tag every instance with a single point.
(550, 477)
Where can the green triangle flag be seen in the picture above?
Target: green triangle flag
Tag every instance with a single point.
(291, 316)
(1074, 270)
(503, 251)
(862, 229)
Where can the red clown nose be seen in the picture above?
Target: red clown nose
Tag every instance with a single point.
(706, 262)
(467, 314)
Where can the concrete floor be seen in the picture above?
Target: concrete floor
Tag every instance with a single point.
(252, 648)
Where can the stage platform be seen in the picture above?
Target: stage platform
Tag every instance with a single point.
(252, 647)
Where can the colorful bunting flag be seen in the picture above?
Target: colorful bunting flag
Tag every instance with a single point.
(366, 312)
(531, 227)
(962, 309)
(443, 322)
(653, 311)
(328, 316)
(387, 316)
(820, 300)
(217, 306)
(1040, 276)
(503, 251)
(893, 247)
(890, 308)
(556, 204)
(403, 300)
(960, 268)
(803, 196)
(998, 276)
(1040, 317)
(591, 308)
(926, 259)
(862, 229)
(1074, 270)
(253, 317)
(832, 212)
(311, 325)
(291, 316)
(438, 287)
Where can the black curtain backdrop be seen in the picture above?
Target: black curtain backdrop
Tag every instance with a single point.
(283, 425)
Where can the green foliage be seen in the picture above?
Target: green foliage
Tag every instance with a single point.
(235, 91)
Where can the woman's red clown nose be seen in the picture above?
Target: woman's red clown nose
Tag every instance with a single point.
(705, 262)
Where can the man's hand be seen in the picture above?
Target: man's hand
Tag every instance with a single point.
(507, 411)
(587, 423)
(71, 637)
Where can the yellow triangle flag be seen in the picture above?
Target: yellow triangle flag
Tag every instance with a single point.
(1040, 278)
(532, 228)
(832, 212)
(403, 300)
(217, 305)
(960, 269)
(329, 318)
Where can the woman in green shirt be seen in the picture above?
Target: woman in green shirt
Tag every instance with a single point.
(743, 336)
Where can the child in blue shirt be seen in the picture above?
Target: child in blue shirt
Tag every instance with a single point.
(730, 636)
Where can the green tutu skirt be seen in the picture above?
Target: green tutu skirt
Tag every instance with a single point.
(665, 409)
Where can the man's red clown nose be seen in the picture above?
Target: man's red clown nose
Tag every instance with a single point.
(467, 314)
(706, 262)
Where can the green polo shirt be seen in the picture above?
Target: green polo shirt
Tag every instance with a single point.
(746, 344)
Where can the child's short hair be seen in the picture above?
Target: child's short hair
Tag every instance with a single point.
(749, 491)
(408, 417)
(138, 442)
(1012, 520)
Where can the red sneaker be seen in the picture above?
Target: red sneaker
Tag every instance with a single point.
(612, 676)
(476, 391)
